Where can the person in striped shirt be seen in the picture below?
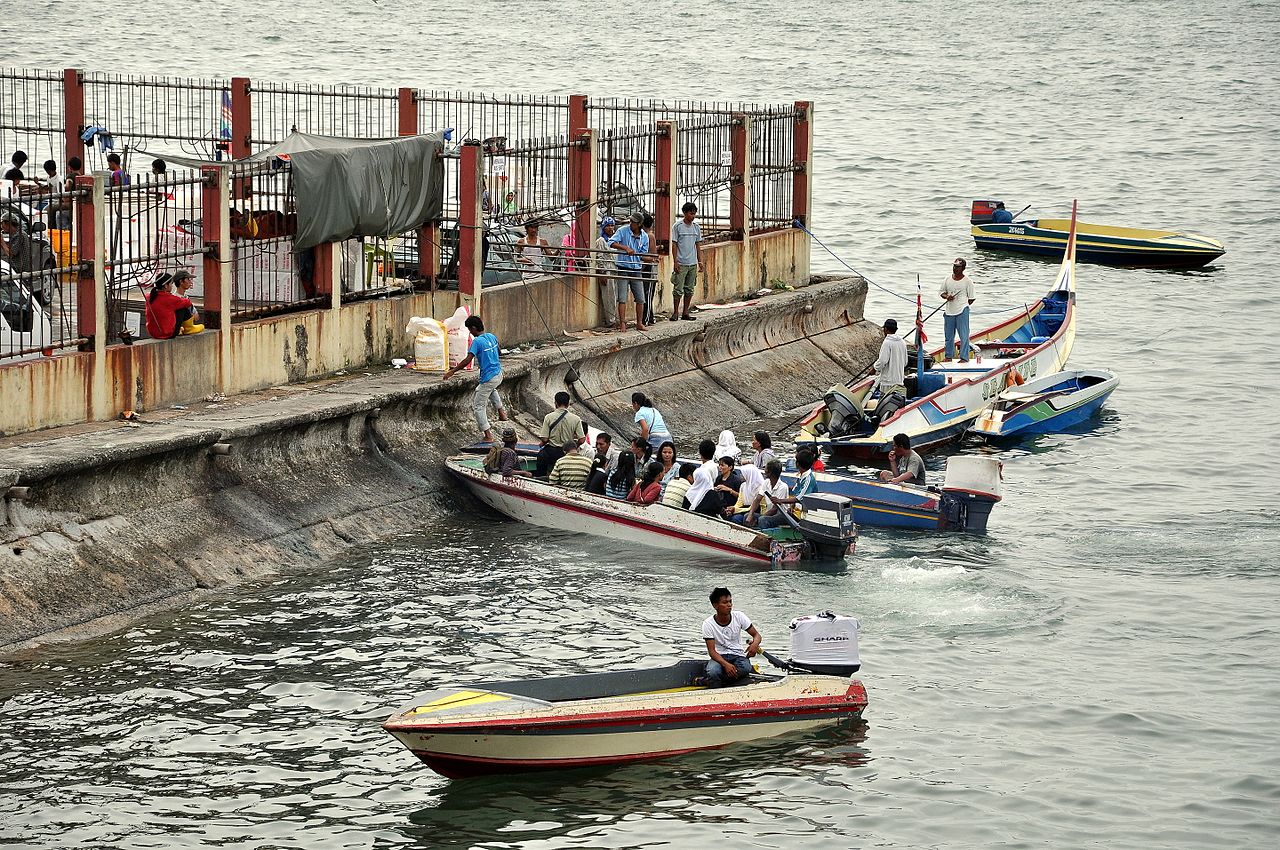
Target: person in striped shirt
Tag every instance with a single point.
(571, 470)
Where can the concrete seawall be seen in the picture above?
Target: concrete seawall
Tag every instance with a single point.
(117, 521)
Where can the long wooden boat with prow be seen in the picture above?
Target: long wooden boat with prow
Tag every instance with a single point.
(944, 397)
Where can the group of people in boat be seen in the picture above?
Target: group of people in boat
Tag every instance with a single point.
(648, 471)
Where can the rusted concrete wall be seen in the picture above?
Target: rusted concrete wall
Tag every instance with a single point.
(302, 346)
(119, 519)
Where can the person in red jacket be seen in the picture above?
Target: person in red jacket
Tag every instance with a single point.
(167, 312)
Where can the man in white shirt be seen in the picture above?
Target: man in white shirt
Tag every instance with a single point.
(957, 291)
(891, 365)
(722, 632)
(767, 508)
(704, 477)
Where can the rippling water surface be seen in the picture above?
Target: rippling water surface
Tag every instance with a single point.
(1098, 670)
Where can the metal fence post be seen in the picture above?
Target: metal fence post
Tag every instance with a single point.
(583, 187)
(73, 112)
(740, 177)
(802, 150)
(241, 118)
(407, 112)
(578, 119)
(470, 225)
(665, 176)
(429, 233)
(218, 269)
(91, 285)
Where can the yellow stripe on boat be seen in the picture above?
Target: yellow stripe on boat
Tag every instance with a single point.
(458, 700)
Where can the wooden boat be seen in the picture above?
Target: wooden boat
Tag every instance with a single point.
(945, 397)
(827, 530)
(634, 715)
(1049, 403)
(1097, 243)
(971, 488)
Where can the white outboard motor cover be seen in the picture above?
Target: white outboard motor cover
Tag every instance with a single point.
(825, 640)
(978, 476)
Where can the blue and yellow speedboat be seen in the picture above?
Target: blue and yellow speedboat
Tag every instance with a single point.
(1096, 243)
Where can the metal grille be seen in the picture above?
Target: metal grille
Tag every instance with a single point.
(38, 271)
(492, 119)
(627, 167)
(30, 119)
(704, 168)
(267, 275)
(355, 112)
(773, 170)
(141, 118)
(153, 226)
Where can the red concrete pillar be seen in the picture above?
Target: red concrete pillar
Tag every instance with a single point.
(470, 224)
(73, 111)
(241, 118)
(212, 200)
(429, 255)
(407, 112)
(664, 213)
(802, 151)
(740, 177)
(91, 271)
(582, 186)
(577, 115)
(326, 267)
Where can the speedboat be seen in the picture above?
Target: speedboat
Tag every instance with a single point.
(826, 529)
(633, 715)
(1098, 243)
(1049, 403)
(944, 397)
(971, 488)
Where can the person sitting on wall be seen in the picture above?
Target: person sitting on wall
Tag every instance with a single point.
(1001, 215)
(167, 312)
(183, 283)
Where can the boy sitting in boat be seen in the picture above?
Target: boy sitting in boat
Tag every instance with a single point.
(722, 632)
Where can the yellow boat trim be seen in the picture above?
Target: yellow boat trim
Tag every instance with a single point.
(463, 698)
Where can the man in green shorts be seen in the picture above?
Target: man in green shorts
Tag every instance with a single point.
(686, 234)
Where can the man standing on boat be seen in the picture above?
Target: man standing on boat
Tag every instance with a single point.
(891, 365)
(958, 293)
(722, 632)
(559, 427)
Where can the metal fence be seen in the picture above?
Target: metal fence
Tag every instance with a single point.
(38, 271)
(493, 120)
(133, 116)
(773, 169)
(31, 119)
(355, 112)
(153, 227)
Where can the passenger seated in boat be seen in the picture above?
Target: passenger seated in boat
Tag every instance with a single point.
(1001, 215)
(905, 465)
(558, 427)
(642, 450)
(505, 460)
(647, 490)
(765, 504)
(724, 492)
(704, 477)
(667, 457)
(722, 632)
(604, 462)
(674, 492)
(752, 484)
(619, 482)
(805, 484)
(572, 469)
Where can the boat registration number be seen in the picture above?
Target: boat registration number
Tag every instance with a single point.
(994, 386)
(1018, 231)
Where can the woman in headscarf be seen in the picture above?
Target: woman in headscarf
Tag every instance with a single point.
(727, 446)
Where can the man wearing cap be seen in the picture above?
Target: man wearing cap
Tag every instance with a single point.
(508, 457)
(632, 245)
(604, 264)
(891, 365)
(1001, 215)
(183, 283)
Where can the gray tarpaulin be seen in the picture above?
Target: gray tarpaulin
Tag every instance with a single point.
(359, 187)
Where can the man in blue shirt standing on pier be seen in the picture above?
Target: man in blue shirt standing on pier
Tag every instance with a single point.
(633, 244)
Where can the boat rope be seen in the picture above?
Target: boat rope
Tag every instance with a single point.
(799, 225)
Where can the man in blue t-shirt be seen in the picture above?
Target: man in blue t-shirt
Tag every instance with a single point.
(484, 350)
(1001, 215)
(632, 243)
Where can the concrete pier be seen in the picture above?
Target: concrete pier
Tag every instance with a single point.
(107, 521)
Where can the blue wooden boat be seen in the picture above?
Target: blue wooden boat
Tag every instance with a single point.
(1049, 403)
(1096, 243)
(971, 488)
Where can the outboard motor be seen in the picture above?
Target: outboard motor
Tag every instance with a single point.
(844, 411)
(969, 492)
(825, 643)
(982, 212)
(827, 524)
(889, 404)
